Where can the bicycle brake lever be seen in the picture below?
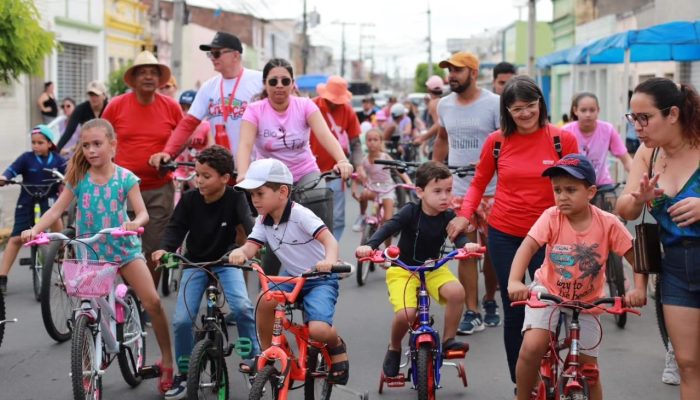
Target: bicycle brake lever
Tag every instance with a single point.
(41, 239)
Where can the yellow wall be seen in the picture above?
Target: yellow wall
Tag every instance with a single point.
(126, 31)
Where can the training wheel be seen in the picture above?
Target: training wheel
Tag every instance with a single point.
(381, 382)
(462, 374)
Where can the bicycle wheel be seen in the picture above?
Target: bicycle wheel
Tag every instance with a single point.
(316, 388)
(363, 267)
(207, 377)
(2, 317)
(165, 282)
(37, 258)
(132, 355)
(573, 394)
(266, 384)
(56, 306)
(87, 383)
(660, 319)
(616, 283)
(425, 370)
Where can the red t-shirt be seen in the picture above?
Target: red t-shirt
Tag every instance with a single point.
(345, 120)
(522, 193)
(142, 130)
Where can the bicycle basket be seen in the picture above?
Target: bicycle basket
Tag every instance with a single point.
(88, 278)
(319, 201)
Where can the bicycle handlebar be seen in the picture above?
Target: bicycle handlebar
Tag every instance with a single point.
(298, 281)
(312, 184)
(462, 171)
(535, 301)
(44, 238)
(391, 254)
(172, 260)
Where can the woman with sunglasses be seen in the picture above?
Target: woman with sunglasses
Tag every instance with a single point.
(666, 117)
(526, 145)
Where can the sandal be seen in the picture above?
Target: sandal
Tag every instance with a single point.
(392, 363)
(165, 381)
(247, 366)
(340, 370)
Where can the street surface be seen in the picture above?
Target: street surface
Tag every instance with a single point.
(34, 367)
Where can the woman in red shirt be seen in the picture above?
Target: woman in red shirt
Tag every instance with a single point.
(525, 146)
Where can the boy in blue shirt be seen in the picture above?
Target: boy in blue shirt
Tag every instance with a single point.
(31, 165)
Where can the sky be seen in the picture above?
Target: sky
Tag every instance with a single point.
(398, 29)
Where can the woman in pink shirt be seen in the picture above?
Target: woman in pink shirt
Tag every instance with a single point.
(279, 127)
(596, 138)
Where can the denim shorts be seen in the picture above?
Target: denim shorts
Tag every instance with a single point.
(680, 276)
(318, 297)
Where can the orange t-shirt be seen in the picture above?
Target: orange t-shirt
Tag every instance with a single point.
(574, 263)
(344, 119)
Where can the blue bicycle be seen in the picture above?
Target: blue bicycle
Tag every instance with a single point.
(425, 348)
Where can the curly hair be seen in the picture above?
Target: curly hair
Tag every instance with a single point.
(218, 158)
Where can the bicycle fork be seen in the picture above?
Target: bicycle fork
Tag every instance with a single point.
(278, 351)
(574, 372)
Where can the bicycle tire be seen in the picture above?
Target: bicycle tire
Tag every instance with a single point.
(165, 282)
(363, 267)
(37, 266)
(56, 306)
(579, 394)
(82, 359)
(132, 327)
(206, 356)
(616, 283)
(660, 319)
(316, 388)
(266, 384)
(2, 317)
(425, 372)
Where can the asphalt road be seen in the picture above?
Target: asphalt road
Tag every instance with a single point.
(33, 366)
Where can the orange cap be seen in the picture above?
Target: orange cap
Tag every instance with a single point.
(461, 59)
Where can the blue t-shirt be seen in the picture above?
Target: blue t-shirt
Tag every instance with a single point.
(31, 166)
(104, 206)
(671, 233)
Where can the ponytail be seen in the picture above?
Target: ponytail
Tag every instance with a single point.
(690, 113)
(77, 168)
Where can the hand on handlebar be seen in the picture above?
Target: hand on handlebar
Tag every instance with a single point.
(237, 257)
(518, 291)
(363, 251)
(343, 168)
(28, 235)
(158, 158)
(636, 297)
(472, 248)
(3, 180)
(131, 226)
(157, 255)
(324, 266)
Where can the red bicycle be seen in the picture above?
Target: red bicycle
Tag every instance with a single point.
(565, 378)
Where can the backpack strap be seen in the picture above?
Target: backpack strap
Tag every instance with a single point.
(496, 152)
(557, 145)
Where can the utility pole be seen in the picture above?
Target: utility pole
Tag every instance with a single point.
(430, 45)
(305, 43)
(176, 56)
(531, 24)
(155, 21)
(342, 45)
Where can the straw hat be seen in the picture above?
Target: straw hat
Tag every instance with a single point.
(335, 90)
(147, 58)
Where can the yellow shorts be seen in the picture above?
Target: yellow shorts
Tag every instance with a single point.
(403, 295)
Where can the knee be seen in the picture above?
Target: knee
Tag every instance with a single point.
(532, 351)
(454, 294)
(321, 331)
(688, 366)
(151, 303)
(406, 316)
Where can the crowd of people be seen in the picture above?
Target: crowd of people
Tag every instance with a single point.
(526, 167)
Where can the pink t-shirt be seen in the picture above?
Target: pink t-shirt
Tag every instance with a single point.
(574, 263)
(596, 145)
(376, 173)
(284, 136)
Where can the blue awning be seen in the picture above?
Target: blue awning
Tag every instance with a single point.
(308, 82)
(673, 41)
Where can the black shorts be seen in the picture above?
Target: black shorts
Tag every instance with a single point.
(24, 215)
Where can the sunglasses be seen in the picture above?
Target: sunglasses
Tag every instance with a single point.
(215, 54)
(275, 81)
(642, 118)
(66, 106)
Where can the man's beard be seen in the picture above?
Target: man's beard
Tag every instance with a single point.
(460, 88)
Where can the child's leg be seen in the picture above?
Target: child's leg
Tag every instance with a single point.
(8, 258)
(137, 274)
(189, 297)
(453, 295)
(595, 388)
(365, 197)
(403, 320)
(238, 301)
(534, 347)
(265, 318)
(388, 206)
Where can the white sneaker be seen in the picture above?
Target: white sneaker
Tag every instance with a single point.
(359, 223)
(179, 389)
(671, 376)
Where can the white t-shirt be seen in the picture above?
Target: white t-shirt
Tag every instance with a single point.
(207, 103)
(293, 240)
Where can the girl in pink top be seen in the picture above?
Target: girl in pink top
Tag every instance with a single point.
(595, 138)
(278, 126)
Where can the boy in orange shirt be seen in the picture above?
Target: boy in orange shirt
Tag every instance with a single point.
(579, 237)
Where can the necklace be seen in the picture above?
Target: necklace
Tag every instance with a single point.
(664, 158)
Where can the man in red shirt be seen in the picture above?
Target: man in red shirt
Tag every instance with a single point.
(143, 121)
(334, 103)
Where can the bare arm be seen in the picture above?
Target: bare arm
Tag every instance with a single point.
(636, 297)
(50, 216)
(639, 188)
(242, 254)
(440, 148)
(516, 288)
(40, 101)
(140, 212)
(330, 246)
(245, 148)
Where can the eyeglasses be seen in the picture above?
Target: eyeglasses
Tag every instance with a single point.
(530, 107)
(63, 106)
(275, 81)
(215, 54)
(642, 118)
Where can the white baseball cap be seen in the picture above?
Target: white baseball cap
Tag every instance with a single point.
(263, 171)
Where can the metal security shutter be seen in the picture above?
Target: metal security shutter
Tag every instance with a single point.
(76, 68)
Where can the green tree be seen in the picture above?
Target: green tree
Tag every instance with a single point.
(116, 84)
(23, 41)
(422, 75)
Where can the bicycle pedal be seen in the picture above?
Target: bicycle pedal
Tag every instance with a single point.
(150, 372)
(25, 261)
(453, 354)
(396, 381)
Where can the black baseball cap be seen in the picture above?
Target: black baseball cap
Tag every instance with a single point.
(223, 40)
(576, 165)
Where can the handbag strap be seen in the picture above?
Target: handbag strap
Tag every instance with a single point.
(650, 172)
